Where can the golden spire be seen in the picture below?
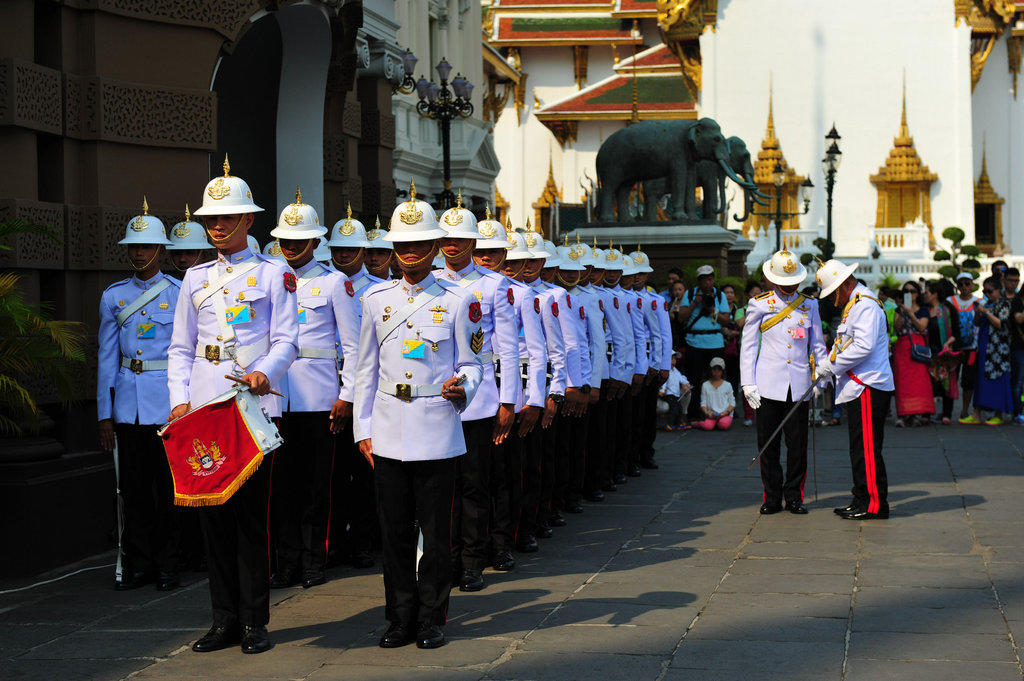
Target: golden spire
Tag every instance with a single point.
(770, 141)
(610, 247)
(638, 249)
(577, 238)
(528, 225)
(487, 211)
(565, 239)
(904, 133)
(298, 195)
(145, 205)
(412, 190)
(595, 241)
(348, 210)
(458, 200)
(376, 223)
(508, 223)
(226, 166)
(188, 215)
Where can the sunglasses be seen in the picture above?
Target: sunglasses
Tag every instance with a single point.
(990, 290)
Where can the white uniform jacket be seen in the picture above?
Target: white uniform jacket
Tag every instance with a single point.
(349, 347)
(576, 315)
(594, 310)
(622, 348)
(533, 351)
(236, 321)
(777, 360)
(641, 334)
(546, 301)
(133, 354)
(860, 355)
(666, 330)
(327, 312)
(492, 291)
(655, 354)
(427, 347)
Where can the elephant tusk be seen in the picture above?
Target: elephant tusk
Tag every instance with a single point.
(759, 201)
(734, 177)
(759, 193)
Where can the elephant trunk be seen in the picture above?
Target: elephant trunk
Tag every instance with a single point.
(736, 178)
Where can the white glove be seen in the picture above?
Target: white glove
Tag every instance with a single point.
(823, 373)
(752, 395)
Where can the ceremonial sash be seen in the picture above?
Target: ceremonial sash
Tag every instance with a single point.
(772, 321)
(307, 278)
(137, 304)
(398, 318)
(468, 279)
(241, 269)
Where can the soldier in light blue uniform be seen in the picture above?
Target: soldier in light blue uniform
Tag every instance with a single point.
(487, 420)
(630, 440)
(188, 246)
(302, 477)
(781, 347)
(419, 367)
(596, 473)
(659, 330)
(132, 403)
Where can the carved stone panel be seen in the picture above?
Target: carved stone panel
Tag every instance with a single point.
(378, 129)
(227, 17)
(30, 96)
(351, 118)
(85, 238)
(33, 250)
(335, 153)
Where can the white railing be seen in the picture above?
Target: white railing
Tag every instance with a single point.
(909, 241)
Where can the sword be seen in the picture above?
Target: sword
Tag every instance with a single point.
(792, 411)
(119, 568)
(814, 449)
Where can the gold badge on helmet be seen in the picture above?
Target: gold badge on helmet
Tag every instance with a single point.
(789, 267)
(411, 214)
(454, 217)
(487, 229)
(347, 228)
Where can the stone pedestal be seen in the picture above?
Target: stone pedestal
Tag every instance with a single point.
(673, 245)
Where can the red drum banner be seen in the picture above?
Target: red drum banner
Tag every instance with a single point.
(214, 448)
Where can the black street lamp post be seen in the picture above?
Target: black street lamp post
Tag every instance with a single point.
(779, 180)
(443, 104)
(829, 165)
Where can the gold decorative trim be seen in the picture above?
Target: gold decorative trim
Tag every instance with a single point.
(984, 194)
(519, 98)
(681, 23)
(548, 197)
(579, 65)
(501, 206)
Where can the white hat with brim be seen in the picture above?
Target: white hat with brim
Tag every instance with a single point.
(831, 275)
(375, 238)
(145, 230)
(643, 265)
(348, 233)
(518, 249)
(227, 195)
(717, 362)
(598, 256)
(459, 223)
(188, 236)
(613, 260)
(965, 275)
(628, 266)
(586, 255)
(298, 221)
(322, 253)
(414, 220)
(273, 250)
(492, 234)
(784, 268)
(569, 259)
(705, 271)
(553, 258)
(535, 243)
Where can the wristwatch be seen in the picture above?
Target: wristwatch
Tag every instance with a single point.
(557, 398)
(585, 389)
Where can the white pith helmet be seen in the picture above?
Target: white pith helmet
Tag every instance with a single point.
(414, 220)
(375, 237)
(492, 233)
(613, 259)
(273, 250)
(784, 268)
(188, 235)
(458, 222)
(642, 262)
(831, 274)
(145, 229)
(348, 233)
(518, 250)
(298, 220)
(227, 195)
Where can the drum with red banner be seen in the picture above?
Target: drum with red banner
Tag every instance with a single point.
(215, 448)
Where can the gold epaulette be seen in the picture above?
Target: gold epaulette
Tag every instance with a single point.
(764, 295)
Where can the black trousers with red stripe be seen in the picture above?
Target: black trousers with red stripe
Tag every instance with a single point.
(597, 471)
(473, 495)
(769, 415)
(411, 493)
(866, 416)
(301, 509)
(529, 499)
(506, 490)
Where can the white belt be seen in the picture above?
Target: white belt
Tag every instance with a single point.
(140, 365)
(407, 391)
(242, 355)
(318, 353)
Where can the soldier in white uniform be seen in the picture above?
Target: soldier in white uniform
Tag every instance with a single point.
(629, 433)
(380, 255)
(188, 245)
(860, 362)
(302, 477)
(781, 354)
(659, 328)
(487, 420)
(596, 471)
(132, 401)
(353, 518)
(419, 367)
(510, 494)
(237, 315)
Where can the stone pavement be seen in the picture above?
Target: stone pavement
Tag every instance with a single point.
(676, 576)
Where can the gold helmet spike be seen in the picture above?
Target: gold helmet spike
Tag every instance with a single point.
(458, 200)
(595, 241)
(376, 223)
(412, 190)
(226, 166)
(577, 238)
(348, 210)
(610, 247)
(818, 260)
(528, 228)
(487, 212)
(145, 205)
(565, 239)
(298, 195)
(188, 215)
(508, 224)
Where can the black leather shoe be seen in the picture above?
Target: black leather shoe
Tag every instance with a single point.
(861, 514)
(649, 465)
(573, 507)
(633, 471)
(768, 508)
(472, 580)
(504, 561)
(597, 496)
(397, 635)
(167, 581)
(218, 638)
(544, 532)
(609, 487)
(310, 581)
(283, 580)
(255, 640)
(620, 479)
(527, 544)
(362, 560)
(556, 520)
(133, 580)
(846, 509)
(430, 637)
(796, 508)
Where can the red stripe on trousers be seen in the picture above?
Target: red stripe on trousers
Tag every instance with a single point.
(867, 434)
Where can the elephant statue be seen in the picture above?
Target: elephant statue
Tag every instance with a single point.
(654, 149)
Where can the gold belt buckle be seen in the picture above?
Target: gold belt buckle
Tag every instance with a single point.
(403, 391)
(213, 353)
(136, 366)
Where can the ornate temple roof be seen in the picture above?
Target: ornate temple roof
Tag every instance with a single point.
(635, 9)
(653, 59)
(771, 153)
(513, 29)
(903, 163)
(659, 94)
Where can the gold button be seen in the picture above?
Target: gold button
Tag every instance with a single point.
(410, 300)
(206, 284)
(226, 291)
(408, 325)
(216, 362)
(408, 374)
(787, 361)
(219, 337)
(143, 312)
(229, 268)
(789, 345)
(138, 352)
(241, 295)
